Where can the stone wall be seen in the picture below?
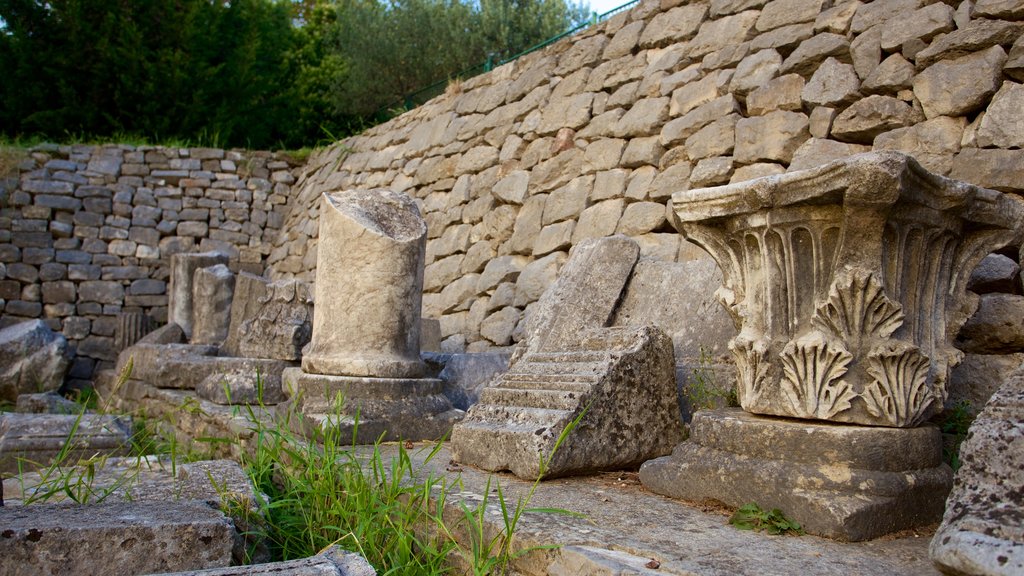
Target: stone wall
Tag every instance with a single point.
(592, 135)
(87, 232)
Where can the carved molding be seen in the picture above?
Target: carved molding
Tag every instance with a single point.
(857, 308)
(753, 367)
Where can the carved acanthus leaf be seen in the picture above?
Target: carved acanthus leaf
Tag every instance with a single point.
(858, 307)
(753, 370)
(899, 393)
(812, 378)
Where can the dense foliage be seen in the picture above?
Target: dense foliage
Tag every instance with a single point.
(253, 73)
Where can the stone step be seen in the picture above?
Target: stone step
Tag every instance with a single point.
(515, 416)
(567, 357)
(578, 382)
(559, 368)
(531, 398)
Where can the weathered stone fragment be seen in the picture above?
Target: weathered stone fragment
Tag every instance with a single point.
(269, 319)
(996, 328)
(179, 292)
(33, 358)
(872, 116)
(717, 34)
(46, 403)
(120, 538)
(774, 136)
(212, 290)
(580, 298)
(982, 531)
(961, 86)
(618, 381)
(1003, 123)
(995, 273)
(31, 441)
(164, 365)
(131, 327)
(331, 562)
(867, 481)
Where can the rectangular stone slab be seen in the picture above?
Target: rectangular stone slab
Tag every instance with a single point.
(123, 538)
(36, 439)
(332, 562)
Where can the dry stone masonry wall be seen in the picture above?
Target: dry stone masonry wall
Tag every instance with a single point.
(591, 136)
(87, 232)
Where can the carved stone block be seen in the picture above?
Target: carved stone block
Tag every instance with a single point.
(847, 282)
(269, 319)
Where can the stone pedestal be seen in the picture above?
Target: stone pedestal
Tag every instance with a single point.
(839, 481)
(363, 362)
(179, 291)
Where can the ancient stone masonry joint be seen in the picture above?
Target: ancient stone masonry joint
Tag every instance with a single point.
(846, 282)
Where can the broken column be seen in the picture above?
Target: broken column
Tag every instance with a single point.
(131, 327)
(212, 289)
(847, 282)
(179, 292)
(617, 383)
(364, 357)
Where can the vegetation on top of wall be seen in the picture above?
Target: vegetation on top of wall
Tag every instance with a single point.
(247, 73)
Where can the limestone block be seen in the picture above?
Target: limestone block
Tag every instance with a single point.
(998, 169)
(867, 118)
(675, 25)
(784, 39)
(978, 35)
(995, 273)
(961, 86)
(500, 269)
(679, 298)
(895, 73)
(782, 93)
(866, 52)
(871, 13)
(1003, 123)
(715, 35)
(212, 290)
(778, 13)
(179, 291)
(621, 377)
(832, 84)
(711, 171)
(497, 224)
(641, 218)
(371, 244)
(623, 42)
(512, 188)
(933, 142)
(101, 291)
(557, 171)
(679, 129)
(245, 381)
(465, 375)
(598, 220)
(774, 136)
(581, 298)
(664, 184)
(584, 52)
(498, 326)
(331, 562)
(118, 538)
(33, 441)
(996, 328)
(1014, 67)
(568, 112)
(604, 154)
(755, 70)
(537, 276)
(1005, 9)
(816, 151)
(642, 151)
(726, 7)
(836, 19)
(33, 358)
(979, 376)
(567, 201)
(459, 294)
(528, 224)
(269, 319)
(923, 24)
(554, 237)
(169, 333)
(815, 50)
(46, 403)
(716, 139)
(982, 531)
(644, 118)
(868, 481)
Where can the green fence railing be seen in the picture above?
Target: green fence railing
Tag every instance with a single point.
(414, 99)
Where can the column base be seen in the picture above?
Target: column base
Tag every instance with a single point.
(839, 481)
(364, 410)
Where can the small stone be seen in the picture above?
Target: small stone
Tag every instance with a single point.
(821, 121)
(642, 151)
(512, 188)
(716, 139)
(1005, 9)
(537, 276)
(498, 326)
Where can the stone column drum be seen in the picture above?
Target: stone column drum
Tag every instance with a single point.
(847, 285)
(364, 359)
(369, 286)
